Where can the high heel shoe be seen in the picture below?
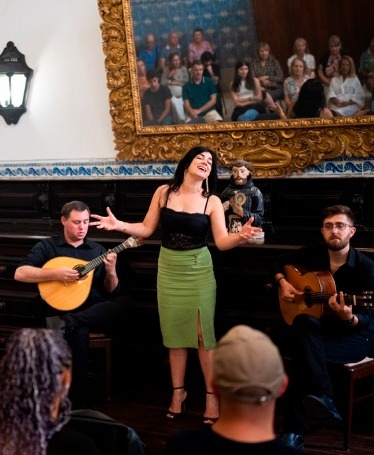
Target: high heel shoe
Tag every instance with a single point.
(209, 420)
(171, 415)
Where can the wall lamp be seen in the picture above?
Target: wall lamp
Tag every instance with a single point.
(15, 78)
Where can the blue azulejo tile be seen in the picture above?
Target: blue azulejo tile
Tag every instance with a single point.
(334, 168)
(368, 167)
(108, 169)
(353, 167)
(316, 169)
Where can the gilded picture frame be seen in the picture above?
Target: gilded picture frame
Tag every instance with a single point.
(277, 148)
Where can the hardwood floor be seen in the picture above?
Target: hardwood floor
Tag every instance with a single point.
(141, 394)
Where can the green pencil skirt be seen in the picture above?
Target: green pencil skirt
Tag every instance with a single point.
(186, 287)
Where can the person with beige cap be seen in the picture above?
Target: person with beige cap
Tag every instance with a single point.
(248, 377)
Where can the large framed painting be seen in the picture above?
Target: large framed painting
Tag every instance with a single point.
(275, 147)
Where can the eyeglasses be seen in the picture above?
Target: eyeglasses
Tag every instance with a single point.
(339, 226)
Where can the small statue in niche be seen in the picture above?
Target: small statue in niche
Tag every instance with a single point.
(242, 200)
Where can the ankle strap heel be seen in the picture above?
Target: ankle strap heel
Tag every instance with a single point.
(209, 420)
(171, 415)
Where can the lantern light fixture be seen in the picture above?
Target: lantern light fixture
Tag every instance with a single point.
(15, 78)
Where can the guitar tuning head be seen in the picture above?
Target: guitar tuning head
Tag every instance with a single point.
(139, 241)
(135, 241)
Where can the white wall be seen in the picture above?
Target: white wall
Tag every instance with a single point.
(67, 115)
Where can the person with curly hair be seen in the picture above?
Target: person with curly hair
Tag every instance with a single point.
(35, 376)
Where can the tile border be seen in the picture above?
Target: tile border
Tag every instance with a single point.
(112, 169)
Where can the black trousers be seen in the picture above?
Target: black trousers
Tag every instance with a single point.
(111, 317)
(316, 344)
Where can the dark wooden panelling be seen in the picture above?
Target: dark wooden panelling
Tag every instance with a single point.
(293, 203)
(92, 193)
(292, 213)
(279, 23)
(134, 198)
(20, 201)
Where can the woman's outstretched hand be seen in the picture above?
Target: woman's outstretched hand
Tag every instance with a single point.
(248, 231)
(109, 223)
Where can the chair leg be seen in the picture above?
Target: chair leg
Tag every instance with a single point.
(99, 341)
(108, 368)
(347, 422)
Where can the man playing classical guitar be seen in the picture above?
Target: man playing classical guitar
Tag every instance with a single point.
(105, 309)
(343, 334)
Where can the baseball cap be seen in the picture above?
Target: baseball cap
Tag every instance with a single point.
(247, 366)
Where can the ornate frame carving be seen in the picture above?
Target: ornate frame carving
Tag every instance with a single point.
(276, 148)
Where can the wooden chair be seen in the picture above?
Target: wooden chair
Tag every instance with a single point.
(101, 341)
(354, 391)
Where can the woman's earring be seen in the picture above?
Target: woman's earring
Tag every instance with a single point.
(207, 185)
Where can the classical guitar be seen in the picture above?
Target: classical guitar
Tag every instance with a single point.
(317, 288)
(70, 295)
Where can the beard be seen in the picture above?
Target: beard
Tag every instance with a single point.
(336, 244)
(240, 182)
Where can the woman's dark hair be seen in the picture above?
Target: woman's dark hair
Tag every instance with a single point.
(249, 84)
(30, 379)
(311, 99)
(184, 163)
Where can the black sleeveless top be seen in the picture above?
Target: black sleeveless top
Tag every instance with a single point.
(182, 230)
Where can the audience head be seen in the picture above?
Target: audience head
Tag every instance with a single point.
(263, 50)
(335, 44)
(152, 73)
(298, 64)
(173, 39)
(150, 41)
(140, 65)
(184, 164)
(207, 58)
(311, 99)
(240, 64)
(247, 367)
(153, 77)
(300, 46)
(242, 72)
(174, 60)
(197, 70)
(198, 34)
(347, 66)
(35, 376)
